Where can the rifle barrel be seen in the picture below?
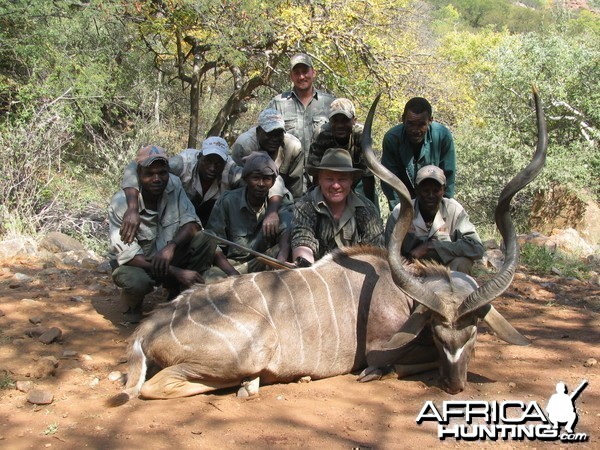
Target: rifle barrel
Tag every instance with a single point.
(273, 262)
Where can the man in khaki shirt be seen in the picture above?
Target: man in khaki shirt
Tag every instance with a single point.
(238, 217)
(167, 248)
(441, 230)
(283, 148)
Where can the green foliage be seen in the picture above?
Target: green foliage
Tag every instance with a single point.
(541, 261)
(51, 429)
(6, 379)
(83, 85)
(516, 17)
(497, 140)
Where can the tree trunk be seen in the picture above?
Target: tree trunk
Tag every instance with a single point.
(194, 102)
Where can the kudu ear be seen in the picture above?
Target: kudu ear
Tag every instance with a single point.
(500, 326)
(411, 328)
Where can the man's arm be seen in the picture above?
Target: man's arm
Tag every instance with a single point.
(390, 159)
(161, 262)
(131, 218)
(284, 245)
(223, 263)
(304, 242)
(465, 240)
(461, 245)
(448, 163)
(122, 251)
(184, 276)
(238, 152)
(295, 175)
(270, 223)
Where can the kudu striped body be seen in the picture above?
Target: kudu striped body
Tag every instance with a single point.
(352, 309)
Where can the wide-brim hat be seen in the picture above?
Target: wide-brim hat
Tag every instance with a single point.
(336, 160)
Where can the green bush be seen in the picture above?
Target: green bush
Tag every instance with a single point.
(539, 260)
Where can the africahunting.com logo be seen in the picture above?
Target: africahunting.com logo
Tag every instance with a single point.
(508, 420)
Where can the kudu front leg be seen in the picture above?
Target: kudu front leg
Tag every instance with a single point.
(174, 382)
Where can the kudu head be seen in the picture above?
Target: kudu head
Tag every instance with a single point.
(453, 304)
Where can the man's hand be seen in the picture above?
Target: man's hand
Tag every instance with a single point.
(282, 255)
(422, 250)
(162, 260)
(130, 225)
(187, 278)
(270, 225)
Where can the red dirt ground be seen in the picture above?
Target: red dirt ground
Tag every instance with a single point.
(560, 316)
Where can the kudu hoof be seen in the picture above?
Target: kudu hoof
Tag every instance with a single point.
(370, 374)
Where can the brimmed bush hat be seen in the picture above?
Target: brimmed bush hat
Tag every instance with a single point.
(336, 160)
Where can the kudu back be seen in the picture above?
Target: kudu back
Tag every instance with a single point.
(355, 308)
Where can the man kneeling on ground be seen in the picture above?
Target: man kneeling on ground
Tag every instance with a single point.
(238, 216)
(168, 248)
(441, 230)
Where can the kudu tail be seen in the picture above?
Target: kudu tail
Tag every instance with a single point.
(135, 377)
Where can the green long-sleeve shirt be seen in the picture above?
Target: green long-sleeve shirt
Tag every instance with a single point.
(398, 157)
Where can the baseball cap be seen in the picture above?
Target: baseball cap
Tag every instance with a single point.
(215, 145)
(300, 58)
(342, 106)
(270, 120)
(433, 172)
(150, 153)
(259, 162)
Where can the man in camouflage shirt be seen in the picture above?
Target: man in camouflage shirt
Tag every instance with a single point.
(330, 215)
(343, 131)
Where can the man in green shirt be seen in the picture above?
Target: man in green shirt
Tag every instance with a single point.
(417, 142)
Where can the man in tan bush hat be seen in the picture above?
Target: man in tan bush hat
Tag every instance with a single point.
(330, 215)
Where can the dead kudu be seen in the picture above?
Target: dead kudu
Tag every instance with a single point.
(350, 310)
